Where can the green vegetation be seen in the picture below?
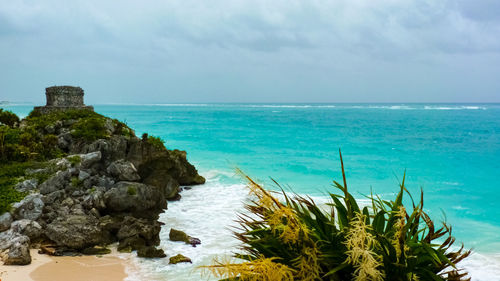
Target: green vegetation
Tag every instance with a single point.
(10, 175)
(122, 129)
(74, 160)
(41, 121)
(90, 129)
(8, 118)
(299, 240)
(131, 190)
(157, 142)
(76, 182)
(36, 139)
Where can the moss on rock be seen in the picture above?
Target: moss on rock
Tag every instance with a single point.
(178, 259)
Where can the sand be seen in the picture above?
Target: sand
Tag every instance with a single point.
(82, 268)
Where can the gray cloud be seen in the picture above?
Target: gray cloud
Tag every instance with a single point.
(284, 51)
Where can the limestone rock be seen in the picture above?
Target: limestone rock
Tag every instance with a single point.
(30, 228)
(94, 200)
(15, 248)
(131, 243)
(133, 227)
(56, 182)
(123, 170)
(178, 235)
(133, 197)
(18, 254)
(5, 221)
(27, 185)
(178, 259)
(150, 252)
(29, 208)
(90, 158)
(82, 175)
(162, 180)
(76, 231)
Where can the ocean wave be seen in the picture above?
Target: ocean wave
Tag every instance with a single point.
(179, 104)
(286, 106)
(482, 267)
(323, 106)
(427, 107)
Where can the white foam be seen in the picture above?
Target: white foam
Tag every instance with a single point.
(287, 106)
(206, 212)
(454, 107)
(482, 267)
(178, 104)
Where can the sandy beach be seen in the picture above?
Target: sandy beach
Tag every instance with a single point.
(82, 268)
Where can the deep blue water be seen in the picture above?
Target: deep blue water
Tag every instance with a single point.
(451, 151)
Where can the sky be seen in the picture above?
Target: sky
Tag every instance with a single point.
(252, 51)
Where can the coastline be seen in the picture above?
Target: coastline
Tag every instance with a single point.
(110, 267)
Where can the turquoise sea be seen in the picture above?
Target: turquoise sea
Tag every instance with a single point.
(451, 151)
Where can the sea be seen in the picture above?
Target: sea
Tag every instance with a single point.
(450, 151)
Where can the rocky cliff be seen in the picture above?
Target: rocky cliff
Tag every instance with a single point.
(87, 181)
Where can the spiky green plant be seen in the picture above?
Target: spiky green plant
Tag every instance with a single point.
(341, 242)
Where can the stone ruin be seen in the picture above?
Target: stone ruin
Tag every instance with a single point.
(60, 98)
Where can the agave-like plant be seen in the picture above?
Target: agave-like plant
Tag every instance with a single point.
(298, 240)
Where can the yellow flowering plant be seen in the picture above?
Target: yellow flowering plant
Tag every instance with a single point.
(298, 240)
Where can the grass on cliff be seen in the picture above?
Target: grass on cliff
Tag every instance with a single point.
(25, 146)
(10, 175)
(36, 139)
(156, 142)
(298, 240)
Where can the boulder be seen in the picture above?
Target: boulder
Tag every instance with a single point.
(94, 200)
(18, 254)
(30, 228)
(175, 165)
(184, 172)
(7, 238)
(56, 182)
(123, 170)
(162, 180)
(105, 181)
(27, 185)
(111, 149)
(133, 227)
(76, 232)
(134, 197)
(14, 248)
(178, 259)
(150, 252)
(118, 147)
(91, 158)
(141, 151)
(53, 196)
(5, 221)
(131, 243)
(29, 208)
(178, 235)
(83, 175)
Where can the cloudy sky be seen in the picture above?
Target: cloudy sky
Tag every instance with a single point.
(252, 51)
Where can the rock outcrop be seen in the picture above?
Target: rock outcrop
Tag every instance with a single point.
(179, 259)
(107, 188)
(178, 235)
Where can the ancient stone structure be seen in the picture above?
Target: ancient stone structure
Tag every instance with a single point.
(60, 98)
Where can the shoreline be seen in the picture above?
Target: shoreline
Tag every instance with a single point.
(111, 267)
